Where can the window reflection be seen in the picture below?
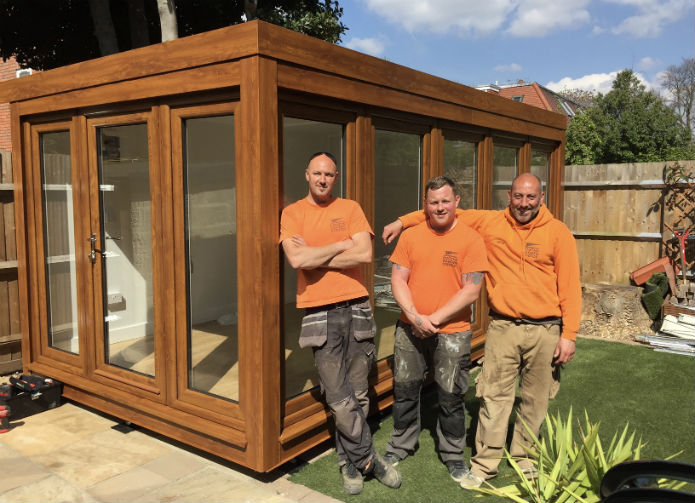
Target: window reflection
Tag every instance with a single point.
(59, 241)
(504, 170)
(397, 167)
(540, 166)
(461, 165)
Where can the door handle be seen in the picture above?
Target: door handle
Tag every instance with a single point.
(93, 249)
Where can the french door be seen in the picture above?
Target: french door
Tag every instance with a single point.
(135, 254)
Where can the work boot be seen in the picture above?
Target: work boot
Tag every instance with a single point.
(392, 458)
(384, 472)
(457, 469)
(470, 480)
(352, 479)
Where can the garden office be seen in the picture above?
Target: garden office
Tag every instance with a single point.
(148, 191)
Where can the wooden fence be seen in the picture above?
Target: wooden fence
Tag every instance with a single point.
(10, 334)
(610, 209)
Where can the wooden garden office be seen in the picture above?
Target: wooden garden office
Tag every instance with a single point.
(148, 191)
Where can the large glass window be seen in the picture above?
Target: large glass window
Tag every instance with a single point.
(540, 166)
(210, 210)
(124, 187)
(301, 138)
(59, 241)
(398, 169)
(504, 169)
(461, 165)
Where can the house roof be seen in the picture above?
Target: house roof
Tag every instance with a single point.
(534, 94)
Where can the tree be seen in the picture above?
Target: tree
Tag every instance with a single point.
(628, 124)
(583, 141)
(48, 34)
(581, 97)
(679, 82)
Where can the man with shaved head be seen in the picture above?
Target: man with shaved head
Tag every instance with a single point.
(534, 294)
(326, 239)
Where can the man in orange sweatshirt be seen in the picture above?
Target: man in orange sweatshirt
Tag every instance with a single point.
(534, 294)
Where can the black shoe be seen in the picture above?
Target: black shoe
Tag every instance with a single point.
(392, 458)
(384, 472)
(352, 479)
(457, 469)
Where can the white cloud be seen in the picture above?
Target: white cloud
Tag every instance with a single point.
(647, 63)
(373, 46)
(512, 67)
(465, 17)
(651, 17)
(597, 82)
(536, 18)
(527, 18)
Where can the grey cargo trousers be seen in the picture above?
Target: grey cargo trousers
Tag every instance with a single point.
(343, 364)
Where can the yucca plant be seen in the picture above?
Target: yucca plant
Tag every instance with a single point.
(569, 471)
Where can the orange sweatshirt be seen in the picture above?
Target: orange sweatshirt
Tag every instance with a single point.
(534, 268)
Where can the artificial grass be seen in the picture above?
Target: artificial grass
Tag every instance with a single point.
(615, 383)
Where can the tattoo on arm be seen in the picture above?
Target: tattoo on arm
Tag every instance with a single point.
(471, 277)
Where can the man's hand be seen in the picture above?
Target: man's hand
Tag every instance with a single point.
(391, 231)
(564, 351)
(422, 326)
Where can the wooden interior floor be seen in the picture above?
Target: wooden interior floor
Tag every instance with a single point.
(215, 359)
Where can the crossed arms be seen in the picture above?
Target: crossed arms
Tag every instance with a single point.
(426, 325)
(339, 255)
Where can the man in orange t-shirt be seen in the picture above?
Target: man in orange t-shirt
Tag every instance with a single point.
(437, 274)
(534, 294)
(326, 239)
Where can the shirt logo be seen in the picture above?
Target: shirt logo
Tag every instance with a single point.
(532, 250)
(338, 225)
(450, 259)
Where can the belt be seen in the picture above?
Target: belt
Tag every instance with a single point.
(337, 305)
(550, 320)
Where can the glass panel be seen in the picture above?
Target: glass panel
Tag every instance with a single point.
(124, 187)
(397, 166)
(301, 138)
(540, 166)
(59, 241)
(504, 170)
(461, 165)
(210, 206)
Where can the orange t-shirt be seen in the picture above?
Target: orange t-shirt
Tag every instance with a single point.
(319, 226)
(436, 262)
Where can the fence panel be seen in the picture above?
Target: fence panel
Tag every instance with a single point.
(610, 209)
(10, 334)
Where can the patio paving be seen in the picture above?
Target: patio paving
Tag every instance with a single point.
(73, 454)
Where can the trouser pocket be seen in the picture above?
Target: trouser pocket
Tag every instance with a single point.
(314, 330)
(364, 326)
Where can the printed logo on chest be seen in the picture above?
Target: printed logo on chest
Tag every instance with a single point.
(338, 225)
(450, 259)
(532, 250)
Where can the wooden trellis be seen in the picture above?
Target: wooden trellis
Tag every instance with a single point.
(679, 199)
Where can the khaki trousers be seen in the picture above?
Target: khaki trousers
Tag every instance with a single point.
(524, 351)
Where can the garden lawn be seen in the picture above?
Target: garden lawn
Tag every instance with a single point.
(615, 383)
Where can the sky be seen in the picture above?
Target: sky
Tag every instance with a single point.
(561, 44)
